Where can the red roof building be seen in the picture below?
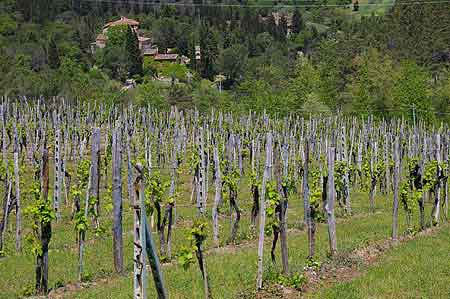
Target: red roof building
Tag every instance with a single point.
(145, 43)
(122, 21)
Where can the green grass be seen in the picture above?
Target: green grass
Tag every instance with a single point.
(378, 10)
(415, 269)
(232, 271)
(236, 267)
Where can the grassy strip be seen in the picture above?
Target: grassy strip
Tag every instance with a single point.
(235, 267)
(415, 269)
(233, 273)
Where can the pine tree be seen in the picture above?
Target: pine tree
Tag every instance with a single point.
(134, 53)
(52, 55)
(297, 22)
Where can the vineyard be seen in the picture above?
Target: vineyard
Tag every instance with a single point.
(112, 202)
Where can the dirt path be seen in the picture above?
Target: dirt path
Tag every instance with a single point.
(347, 267)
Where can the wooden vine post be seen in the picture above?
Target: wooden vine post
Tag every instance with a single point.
(198, 236)
(129, 132)
(396, 188)
(422, 162)
(58, 175)
(373, 176)
(387, 171)
(45, 232)
(82, 230)
(231, 181)
(201, 196)
(139, 272)
(95, 177)
(217, 196)
(346, 158)
(446, 162)
(437, 187)
(308, 217)
(7, 183)
(280, 212)
(6, 210)
(329, 205)
(262, 210)
(17, 181)
(283, 211)
(333, 155)
(117, 199)
(169, 209)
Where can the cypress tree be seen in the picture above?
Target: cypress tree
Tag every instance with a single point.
(282, 28)
(52, 55)
(134, 53)
(272, 25)
(297, 22)
(209, 51)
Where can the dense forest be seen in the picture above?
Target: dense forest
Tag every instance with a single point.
(307, 58)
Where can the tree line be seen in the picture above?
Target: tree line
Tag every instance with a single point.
(308, 60)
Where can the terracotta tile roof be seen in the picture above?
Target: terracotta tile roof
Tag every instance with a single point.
(122, 21)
